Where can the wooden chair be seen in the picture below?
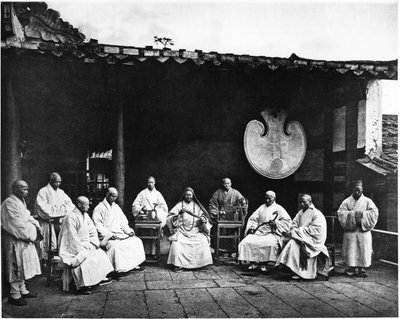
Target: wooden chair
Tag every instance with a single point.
(236, 225)
(52, 255)
(330, 241)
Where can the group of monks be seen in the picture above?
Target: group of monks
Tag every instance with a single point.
(94, 250)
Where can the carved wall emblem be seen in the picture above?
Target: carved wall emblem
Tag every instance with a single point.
(270, 151)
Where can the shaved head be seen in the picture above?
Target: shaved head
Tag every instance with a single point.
(55, 180)
(18, 183)
(82, 200)
(307, 197)
(54, 176)
(20, 188)
(112, 190)
(271, 194)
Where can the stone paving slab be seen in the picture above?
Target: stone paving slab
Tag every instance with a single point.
(125, 304)
(199, 303)
(303, 302)
(382, 291)
(367, 298)
(164, 304)
(181, 284)
(267, 303)
(347, 306)
(227, 290)
(233, 304)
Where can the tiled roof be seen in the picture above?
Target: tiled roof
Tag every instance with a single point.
(93, 52)
(390, 139)
(387, 162)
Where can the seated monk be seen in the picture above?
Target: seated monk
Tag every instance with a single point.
(264, 239)
(190, 226)
(79, 250)
(305, 253)
(124, 249)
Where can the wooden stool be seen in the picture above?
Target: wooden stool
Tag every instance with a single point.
(154, 227)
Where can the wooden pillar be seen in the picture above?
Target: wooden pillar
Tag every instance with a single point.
(328, 161)
(10, 155)
(351, 141)
(118, 155)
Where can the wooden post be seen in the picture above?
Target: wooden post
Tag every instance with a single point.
(119, 154)
(10, 155)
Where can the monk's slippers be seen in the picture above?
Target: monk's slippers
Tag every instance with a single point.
(105, 281)
(350, 273)
(138, 268)
(252, 267)
(178, 269)
(362, 274)
(295, 277)
(265, 270)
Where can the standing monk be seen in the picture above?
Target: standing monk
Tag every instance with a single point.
(151, 202)
(190, 226)
(264, 230)
(223, 204)
(79, 249)
(51, 201)
(306, 243)
(124, 249)
(357, 215)
(21, 230)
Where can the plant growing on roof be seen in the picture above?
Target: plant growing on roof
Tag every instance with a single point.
(163, 41)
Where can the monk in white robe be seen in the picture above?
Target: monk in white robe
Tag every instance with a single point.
(79, 249)
(264, 240)
(357, 215)
(151, 203)
(51, 202)
(190, 226)
(305, 253)
(124, 249)
(20, 231)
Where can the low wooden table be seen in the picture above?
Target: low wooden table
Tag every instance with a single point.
(228, 224)
(153, 233)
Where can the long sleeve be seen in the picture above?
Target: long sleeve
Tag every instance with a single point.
(69, 242)
(138, 204)
(98, 221)
(172, 221)
(313, 234)
(16, 220)
(43, 208)
(253, 221)
(214, 206)
(282, 222)
(124, 222)
(370, 216)
(346, 216)
(94, 238)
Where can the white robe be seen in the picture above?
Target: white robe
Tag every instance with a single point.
(79, 249)
(148, 199)
(51, 203)
(190, 241)
(124, 254)
(308, 227)
(264, 245)
(357, 239)
(20, 231)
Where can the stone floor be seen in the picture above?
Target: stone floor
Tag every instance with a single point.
(227, 290)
